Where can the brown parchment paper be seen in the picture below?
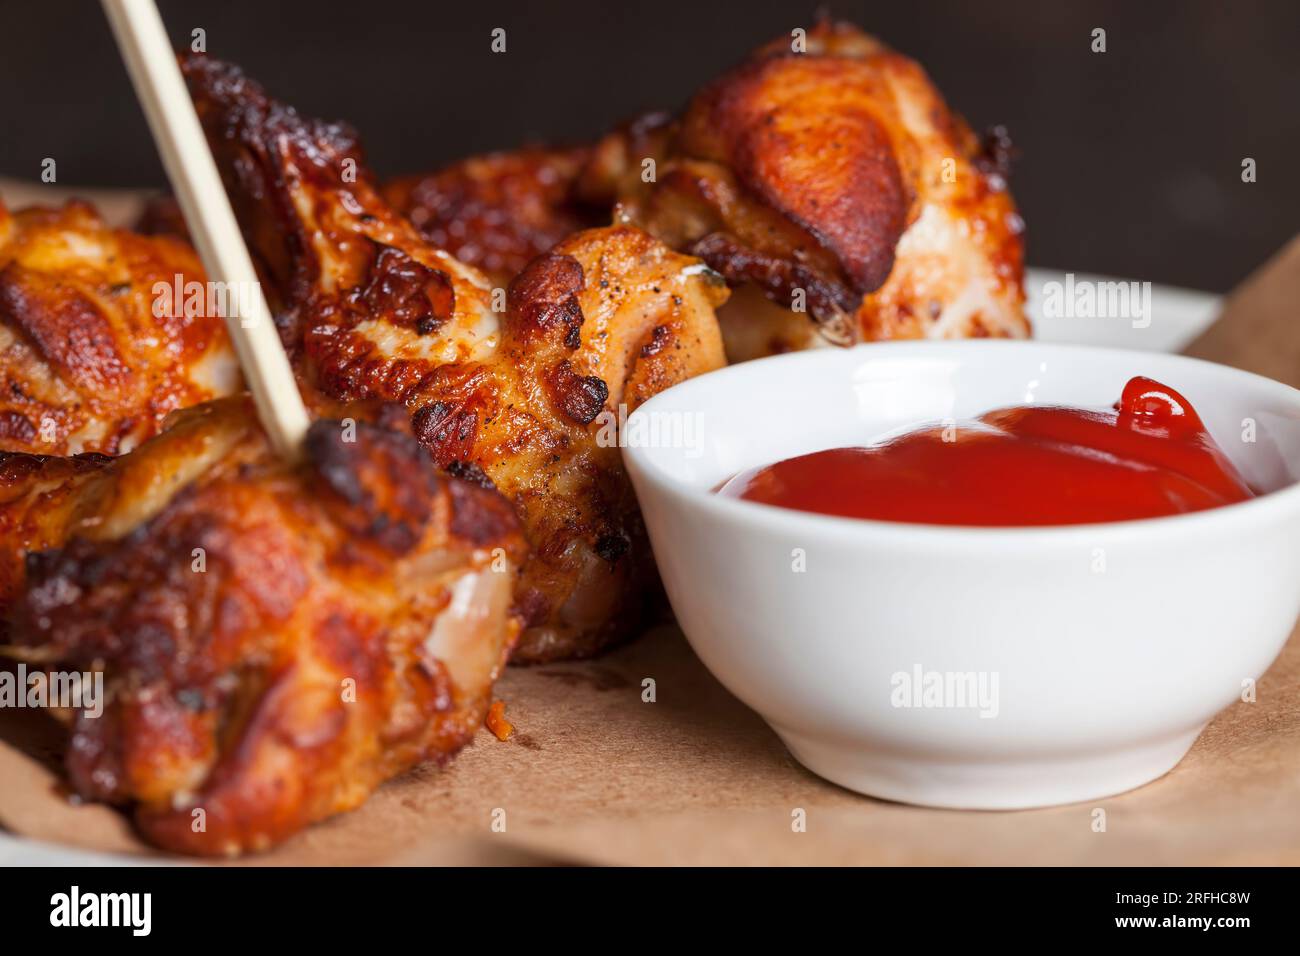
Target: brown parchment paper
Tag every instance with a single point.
(596, 774)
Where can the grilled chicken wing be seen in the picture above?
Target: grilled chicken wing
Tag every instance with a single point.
(838, 179)
(505, 387)
(276, 640)
(93, 353)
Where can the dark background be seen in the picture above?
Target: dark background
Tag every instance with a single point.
(1131, 159)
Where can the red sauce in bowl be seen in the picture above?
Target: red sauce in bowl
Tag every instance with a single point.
(1030, 465)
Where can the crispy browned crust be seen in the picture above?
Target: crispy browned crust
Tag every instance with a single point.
(39, 496)
(547, 318)
(799, 133)
(516, 398)
(314, 652)
(617, 166)
(85, 364)
(500, 211)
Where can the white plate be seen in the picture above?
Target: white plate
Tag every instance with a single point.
(1177, 317)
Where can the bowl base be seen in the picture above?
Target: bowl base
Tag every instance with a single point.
(988, 785)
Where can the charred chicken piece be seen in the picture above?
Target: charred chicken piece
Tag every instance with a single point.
(500, 211)
(518, 389)
(275, 640)
(837, 181)
(96, 344)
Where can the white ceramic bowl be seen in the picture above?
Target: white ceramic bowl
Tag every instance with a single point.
(989, 668)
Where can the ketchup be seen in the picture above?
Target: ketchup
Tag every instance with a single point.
(1028, 465)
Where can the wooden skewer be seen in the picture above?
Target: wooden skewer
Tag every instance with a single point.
(160, 87)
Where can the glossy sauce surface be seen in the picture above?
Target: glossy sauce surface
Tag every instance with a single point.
(1027, 465)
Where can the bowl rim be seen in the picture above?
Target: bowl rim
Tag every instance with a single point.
(1265, 508)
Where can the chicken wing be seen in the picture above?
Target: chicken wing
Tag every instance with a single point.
(836, 180)
(515, 389)
(275, 640)
(96, 346)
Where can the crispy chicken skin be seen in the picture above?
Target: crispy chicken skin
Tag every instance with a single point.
(276, 640)
(838, 176)
(39, 498)
(500, 211)
(504, 387)
(85, 363)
